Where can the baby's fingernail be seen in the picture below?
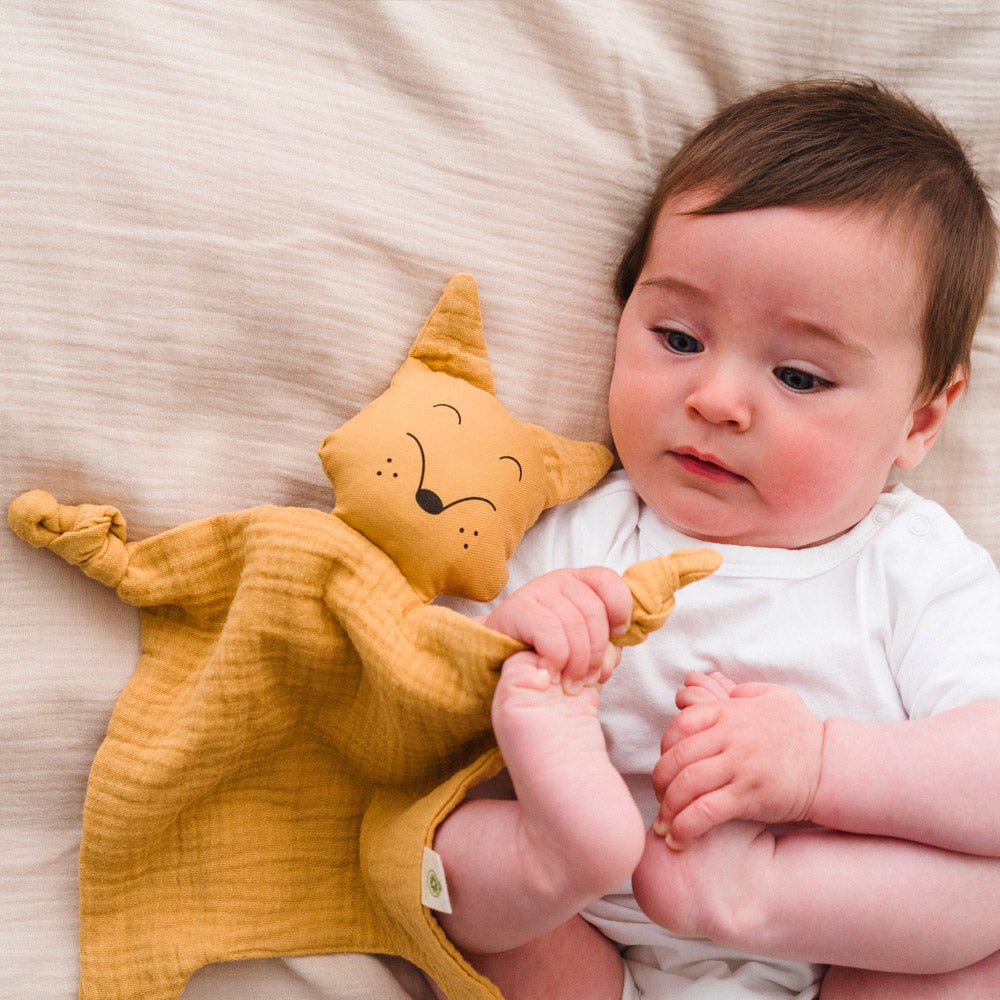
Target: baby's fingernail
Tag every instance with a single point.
(621, 629)
(572, 686)
(662, 829)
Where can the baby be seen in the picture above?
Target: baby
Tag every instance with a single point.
(798, 309)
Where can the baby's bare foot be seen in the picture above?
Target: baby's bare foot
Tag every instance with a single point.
(582, 831)
(715, 888)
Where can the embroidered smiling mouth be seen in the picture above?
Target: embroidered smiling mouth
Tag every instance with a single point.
(427, 500)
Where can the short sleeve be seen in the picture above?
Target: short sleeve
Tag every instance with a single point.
(949, 650)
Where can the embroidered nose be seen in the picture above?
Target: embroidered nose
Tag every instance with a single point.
(429, 501)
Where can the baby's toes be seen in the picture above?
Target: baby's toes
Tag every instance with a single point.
(523, 672)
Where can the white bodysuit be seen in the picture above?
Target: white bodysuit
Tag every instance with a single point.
(899, 618)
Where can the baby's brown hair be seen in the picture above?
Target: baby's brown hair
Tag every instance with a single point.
(830, 143)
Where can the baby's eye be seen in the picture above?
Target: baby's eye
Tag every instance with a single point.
(679, 341)
(800, 381)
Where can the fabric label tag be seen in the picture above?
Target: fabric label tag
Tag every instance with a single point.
(433, 887)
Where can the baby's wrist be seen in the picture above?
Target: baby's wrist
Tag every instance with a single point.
(839, 772)
(812, 806)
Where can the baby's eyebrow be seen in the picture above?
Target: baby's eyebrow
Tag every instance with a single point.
(674, 285)
(832, 335)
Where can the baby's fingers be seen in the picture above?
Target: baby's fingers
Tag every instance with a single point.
(613, 593)
(690, 768)
(699, 687)
(693, 719)
(612, 657)
(582, 606)
(752, 689)
(708, 811)
(566, 647)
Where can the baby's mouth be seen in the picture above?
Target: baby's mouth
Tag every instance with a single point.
(705, 466)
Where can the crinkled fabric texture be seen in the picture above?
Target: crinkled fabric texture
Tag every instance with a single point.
(220, 220)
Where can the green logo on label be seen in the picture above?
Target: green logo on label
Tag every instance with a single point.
(434, 884)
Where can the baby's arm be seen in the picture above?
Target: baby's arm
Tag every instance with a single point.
(760, 754)
(931, 780)
(813, 890)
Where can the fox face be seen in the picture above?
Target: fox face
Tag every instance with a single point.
(442, 478)
(438, 474)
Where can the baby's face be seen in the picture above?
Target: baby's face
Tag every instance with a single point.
(765, 372)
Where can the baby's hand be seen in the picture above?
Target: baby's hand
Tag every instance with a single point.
(736, 751)
(568, 616)
(699, 688)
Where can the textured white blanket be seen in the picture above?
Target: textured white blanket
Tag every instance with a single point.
(198, 198)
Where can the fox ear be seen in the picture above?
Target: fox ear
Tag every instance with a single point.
(451, 340)
(571, 467)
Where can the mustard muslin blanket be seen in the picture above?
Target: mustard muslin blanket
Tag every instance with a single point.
(302, 718)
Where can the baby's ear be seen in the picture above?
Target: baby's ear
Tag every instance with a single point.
(571, 467)
(926, 422)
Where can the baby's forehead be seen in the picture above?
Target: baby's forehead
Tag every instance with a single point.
(902, 225)
(867, 225)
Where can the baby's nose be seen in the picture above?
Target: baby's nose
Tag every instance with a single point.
(721, 398)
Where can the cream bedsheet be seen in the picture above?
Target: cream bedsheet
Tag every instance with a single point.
(199, 201)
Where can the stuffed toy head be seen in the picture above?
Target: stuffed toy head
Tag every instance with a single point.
(435, 471)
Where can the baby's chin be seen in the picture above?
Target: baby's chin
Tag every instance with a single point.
(770, 533)
(695, 518)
